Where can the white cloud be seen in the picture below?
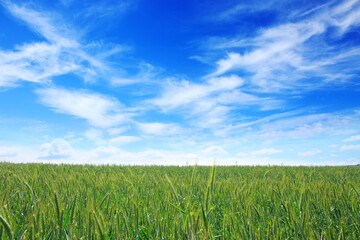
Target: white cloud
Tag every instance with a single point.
(124, 139)
(276, 44)
(157, 128)
(344, 7)
(350, 147)
(352, 138)
(146, 73)
(62, 53)
(293, 125)
(213, 118)
(346, 14)
(44, 24)
(208, 105)
(183, 93)
(309, 153)
(233, 12)
(266, 151)
(215, 150)
(57, 149)
(98, 110)
(268, 119)
(286, 56)
(308, 125)
(35, 62)
(242, 99)
(105, 9)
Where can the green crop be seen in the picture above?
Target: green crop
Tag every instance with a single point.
(43, 201)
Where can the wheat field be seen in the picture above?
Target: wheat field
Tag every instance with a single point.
(43, 201)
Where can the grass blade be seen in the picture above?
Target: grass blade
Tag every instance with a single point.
(7, 227)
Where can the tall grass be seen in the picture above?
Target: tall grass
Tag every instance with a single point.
(156, 202)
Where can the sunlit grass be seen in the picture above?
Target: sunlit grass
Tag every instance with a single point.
(156, 202)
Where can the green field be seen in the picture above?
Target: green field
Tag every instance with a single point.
(157, 202)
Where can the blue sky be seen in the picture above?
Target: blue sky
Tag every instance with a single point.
(180, 82)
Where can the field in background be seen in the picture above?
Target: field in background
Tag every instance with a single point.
(155, 202)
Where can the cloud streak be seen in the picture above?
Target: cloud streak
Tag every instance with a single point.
(60, 54)
(309, 153)
(215, 150)
(159, 129)
(286, 56)
(350, 147)
(99, 110)
(184, 93)
(209, 103)
(352, 138)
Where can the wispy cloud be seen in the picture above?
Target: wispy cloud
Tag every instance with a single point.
(124, 139)
(267, 119)
(61, 53)
(157, 128)
(233, 12)
(146, 74)
(215, 150)
(185, 92)
(239, 11)
(310, 125)
(350, 147)
(44, 24)
(98, 110)
(107, 9)
(309, 153)
(209, 103)
(295, 125)
(286, 56)
(36, 62)
(352, 138)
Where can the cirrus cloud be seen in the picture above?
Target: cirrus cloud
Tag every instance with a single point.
(309, 153)
(99, 110)
(352, 138)
(350, 147)
(215, 150)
